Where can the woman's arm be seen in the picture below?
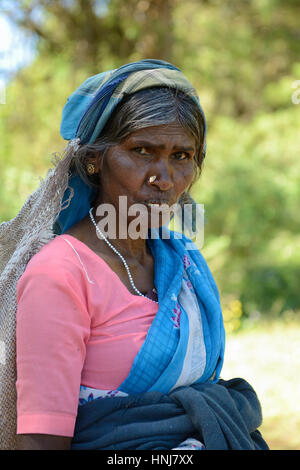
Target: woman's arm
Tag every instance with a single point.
(53, 326)
(43, 442)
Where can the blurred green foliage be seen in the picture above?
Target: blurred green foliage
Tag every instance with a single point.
(243, 58)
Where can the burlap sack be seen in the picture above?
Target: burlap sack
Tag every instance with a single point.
(20, 239)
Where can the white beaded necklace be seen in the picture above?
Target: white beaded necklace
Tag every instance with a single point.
(119, 254)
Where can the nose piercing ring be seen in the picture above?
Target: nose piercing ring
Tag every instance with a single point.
(152, 178)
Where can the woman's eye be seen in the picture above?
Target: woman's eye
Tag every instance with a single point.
(182, 156)
(142, 150)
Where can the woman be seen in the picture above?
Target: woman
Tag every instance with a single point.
(120, 340)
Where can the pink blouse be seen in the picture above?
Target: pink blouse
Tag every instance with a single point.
(77, 324)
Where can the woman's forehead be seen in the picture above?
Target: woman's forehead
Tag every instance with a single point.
(174, 131)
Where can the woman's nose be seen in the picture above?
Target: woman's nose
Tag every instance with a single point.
(164, 176)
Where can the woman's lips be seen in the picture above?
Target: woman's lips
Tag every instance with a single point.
(156, 202)
(158, 207)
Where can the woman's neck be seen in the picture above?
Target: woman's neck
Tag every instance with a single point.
(116, 229)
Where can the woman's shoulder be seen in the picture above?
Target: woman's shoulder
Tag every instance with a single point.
(66, 257)
(61, 256)
(54, 253)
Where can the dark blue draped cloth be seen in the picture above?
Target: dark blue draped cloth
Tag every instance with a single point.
(224, 416)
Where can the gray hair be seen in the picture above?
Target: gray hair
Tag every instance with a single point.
(146, 108)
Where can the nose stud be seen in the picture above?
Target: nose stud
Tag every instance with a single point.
(152, 179)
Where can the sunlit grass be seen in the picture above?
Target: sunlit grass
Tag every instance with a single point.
(267, 356)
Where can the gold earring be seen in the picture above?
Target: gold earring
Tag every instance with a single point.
(90, 168)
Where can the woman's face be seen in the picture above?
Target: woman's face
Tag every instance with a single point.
(165, 151)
